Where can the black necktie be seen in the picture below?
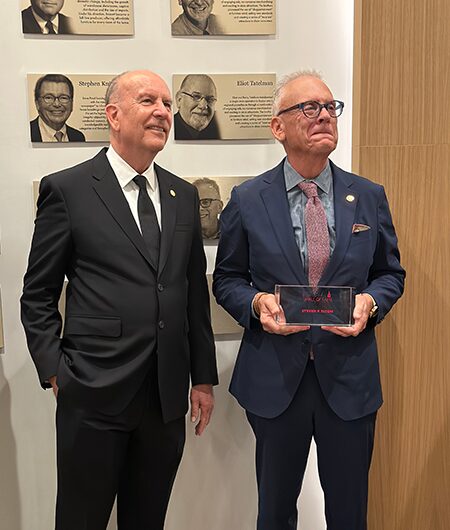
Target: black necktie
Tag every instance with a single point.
(148, 220)
(49, 26)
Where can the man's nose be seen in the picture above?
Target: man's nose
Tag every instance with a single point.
(161, 110)
(203, 104)
(57, 103)
(324, 115)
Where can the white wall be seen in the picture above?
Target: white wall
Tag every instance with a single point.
(215, 488)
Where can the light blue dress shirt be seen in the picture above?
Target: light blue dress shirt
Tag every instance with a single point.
(297, 202)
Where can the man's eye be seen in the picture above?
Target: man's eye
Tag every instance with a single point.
(168, 105)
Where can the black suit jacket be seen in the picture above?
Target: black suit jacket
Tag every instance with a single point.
(119, 310)
(74, 135)
(30, 25)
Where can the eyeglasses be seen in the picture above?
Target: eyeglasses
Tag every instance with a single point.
(197, 97)
(312, 109)
(206, 203)
(50, 99)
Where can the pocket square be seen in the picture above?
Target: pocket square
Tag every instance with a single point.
(359, 228)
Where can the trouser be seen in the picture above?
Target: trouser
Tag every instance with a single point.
(133, 455)
(344, 450)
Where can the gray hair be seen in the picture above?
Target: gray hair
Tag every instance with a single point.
(209, 182)
(285, 81)
(111, 91)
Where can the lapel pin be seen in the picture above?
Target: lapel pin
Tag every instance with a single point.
(350, 198)
(173, 193)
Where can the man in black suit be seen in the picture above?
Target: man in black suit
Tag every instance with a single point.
(43, 16)
(137, 322)
(53, 97)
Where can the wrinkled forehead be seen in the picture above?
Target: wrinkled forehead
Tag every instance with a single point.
(305, 89)
(202, 85)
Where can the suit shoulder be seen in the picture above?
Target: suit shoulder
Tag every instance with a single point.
(362, 183)
(68, 176)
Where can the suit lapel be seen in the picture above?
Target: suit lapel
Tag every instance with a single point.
(345, 202)
(276, 203)
(169, 200)
(108, 189)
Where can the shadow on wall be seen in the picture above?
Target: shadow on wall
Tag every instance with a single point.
(9, 483)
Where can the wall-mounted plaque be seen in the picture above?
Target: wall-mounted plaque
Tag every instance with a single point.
(199, 18)
(77, 17)
(214, 194)
(223, 106)
(67, 108)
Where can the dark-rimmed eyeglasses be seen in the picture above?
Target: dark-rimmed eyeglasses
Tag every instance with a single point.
(197, 97)
(50, 99)
(312, 109)
(206, 203)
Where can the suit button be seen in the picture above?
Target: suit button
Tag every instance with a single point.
(161, 324)
(160, 287)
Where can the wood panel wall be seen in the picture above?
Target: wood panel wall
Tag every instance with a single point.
(401, 139)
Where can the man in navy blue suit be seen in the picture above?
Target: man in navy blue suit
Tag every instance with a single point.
(300, 382)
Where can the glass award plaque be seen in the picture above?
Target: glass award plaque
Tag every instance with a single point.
(305, 305)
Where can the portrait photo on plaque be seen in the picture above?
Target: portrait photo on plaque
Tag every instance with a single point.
(214, 194)
(199, 18)
(67, 107)
(77, 17)
(223, 106)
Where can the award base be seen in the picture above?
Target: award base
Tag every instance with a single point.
(305, 305)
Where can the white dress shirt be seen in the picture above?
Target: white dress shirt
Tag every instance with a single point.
(125, 175)
(42, 23)
(48, 134)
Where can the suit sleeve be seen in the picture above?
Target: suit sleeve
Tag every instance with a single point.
(232, 284)
(201, 338)
(47, 265)
(386, 276)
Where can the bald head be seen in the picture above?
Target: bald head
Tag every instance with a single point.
(196, 100)
(139, 113)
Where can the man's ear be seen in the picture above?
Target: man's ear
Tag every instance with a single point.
(277, 126)
(112, 115)
(221, 206)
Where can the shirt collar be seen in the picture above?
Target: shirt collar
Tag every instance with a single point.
(195, 30)
(292, 178)
(42, 22)
(125, 173)
(48, 131)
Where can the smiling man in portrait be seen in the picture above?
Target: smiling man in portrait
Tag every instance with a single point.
(196, 19)
(53, 97)
(196, 101)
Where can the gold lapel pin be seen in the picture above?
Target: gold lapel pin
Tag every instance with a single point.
(173, 193)
(350, 198)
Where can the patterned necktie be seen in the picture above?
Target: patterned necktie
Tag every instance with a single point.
(59, 136)
(317, 237)
(148, 220)
(49, 26)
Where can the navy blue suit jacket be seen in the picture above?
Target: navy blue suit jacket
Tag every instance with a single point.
(257, 250)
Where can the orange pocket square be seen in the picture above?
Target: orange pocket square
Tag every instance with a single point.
(359, 228)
